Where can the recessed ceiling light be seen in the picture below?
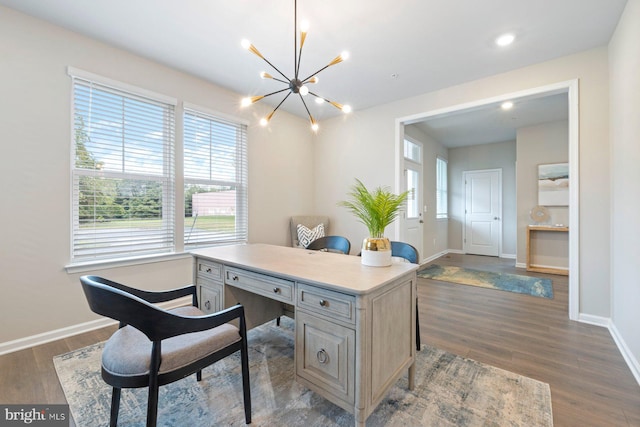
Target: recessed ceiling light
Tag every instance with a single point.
(505, 39)
(507, 105)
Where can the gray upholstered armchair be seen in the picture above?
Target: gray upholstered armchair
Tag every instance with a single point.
(309, 221)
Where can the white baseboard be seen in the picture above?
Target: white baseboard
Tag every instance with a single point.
(606, 322)
(57, 334)
(631, 360)
(454, 251)
(508, 256)
(521, 265)
(433, 257)
(594, 320)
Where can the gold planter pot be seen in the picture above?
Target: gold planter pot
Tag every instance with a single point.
(376, 252)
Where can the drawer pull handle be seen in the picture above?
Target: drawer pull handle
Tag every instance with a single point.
(276, 290)
(208, 270)
(322, 356)
(235, 278)
(207, 305)
(322, 303)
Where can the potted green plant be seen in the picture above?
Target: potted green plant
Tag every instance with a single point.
(376, 210)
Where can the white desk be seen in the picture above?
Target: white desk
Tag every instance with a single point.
(355, 325)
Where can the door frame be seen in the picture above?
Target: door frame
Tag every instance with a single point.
(570, 87)
(420, 196)
(464, 191)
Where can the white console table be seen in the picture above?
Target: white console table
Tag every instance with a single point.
(354, 325)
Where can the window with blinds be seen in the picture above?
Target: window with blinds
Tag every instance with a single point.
(441, 188)
(123, 173)
(215, 180)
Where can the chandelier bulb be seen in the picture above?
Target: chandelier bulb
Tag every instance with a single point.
(319, 100)
(264, 121)
(245, 102)
(344, 55)
(303, 90)
(246, 44)
(265, 75)
(314, 127)
(304, 26)
(346, 109)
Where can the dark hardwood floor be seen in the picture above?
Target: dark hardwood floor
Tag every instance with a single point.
(591, 384)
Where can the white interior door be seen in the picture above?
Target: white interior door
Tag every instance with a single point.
(483, 212)
(411, 229)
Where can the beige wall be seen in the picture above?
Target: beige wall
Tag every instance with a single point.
(499, 155)
(363, 145)
(35, 139)
(624, 62)
(545, 143)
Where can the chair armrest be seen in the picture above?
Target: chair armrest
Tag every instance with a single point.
(176, 324)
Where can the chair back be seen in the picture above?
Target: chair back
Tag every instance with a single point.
(406, 251)
(331, 243)
(107, 299)
(309, 221)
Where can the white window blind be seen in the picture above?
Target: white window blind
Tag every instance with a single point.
(441, 188)
(123, 173)
(215, 177)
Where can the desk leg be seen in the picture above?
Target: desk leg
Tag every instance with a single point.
(359, 418)
(412, 376)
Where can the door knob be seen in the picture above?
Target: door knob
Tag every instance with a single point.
(496, 218)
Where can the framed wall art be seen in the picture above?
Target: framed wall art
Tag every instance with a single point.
(553, 184)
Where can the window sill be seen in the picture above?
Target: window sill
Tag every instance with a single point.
(90, 266)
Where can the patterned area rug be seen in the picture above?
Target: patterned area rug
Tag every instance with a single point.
(450, 391)
(535, 286)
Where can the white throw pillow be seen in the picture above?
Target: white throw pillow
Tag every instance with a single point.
(306, 235)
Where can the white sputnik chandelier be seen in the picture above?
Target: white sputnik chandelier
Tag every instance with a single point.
(296, 84)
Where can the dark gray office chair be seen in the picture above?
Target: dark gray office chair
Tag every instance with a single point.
(331, 244)
(154, 347)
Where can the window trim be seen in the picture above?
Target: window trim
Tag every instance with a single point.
(440, 215)
(198, 110)
(168, 174)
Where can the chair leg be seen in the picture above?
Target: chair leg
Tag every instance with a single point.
(199, 375)
(246, 387)
(115, 407)
(278, 321)
(152, 404)
(417, 328)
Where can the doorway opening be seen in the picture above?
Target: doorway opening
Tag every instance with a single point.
(570, 90)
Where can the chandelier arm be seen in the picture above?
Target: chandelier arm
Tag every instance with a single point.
(278, 106)
(281, 81)
(276, 68)
(335, 104)
(317, 72)
(273, 93)
(298, 67)
(305, 107)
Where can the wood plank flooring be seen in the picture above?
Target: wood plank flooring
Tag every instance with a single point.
(591, 384)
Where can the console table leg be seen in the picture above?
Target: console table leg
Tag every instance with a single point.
(412, 376)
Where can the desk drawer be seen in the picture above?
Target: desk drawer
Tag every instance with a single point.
(271, 287)
(325, 355)
(329, 304)
(208, 269)
(210, 297)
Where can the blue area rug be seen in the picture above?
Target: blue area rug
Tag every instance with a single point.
(535, 286)
(450, 391)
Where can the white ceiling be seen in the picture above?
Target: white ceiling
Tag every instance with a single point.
(490, 123)
(427, 44)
